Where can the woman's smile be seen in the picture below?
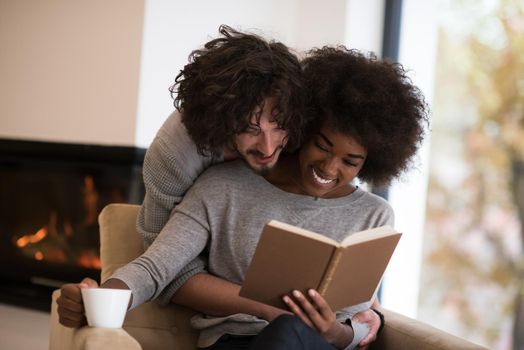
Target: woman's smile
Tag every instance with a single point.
(319, 178)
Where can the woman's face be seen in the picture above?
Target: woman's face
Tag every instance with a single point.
(329, 161)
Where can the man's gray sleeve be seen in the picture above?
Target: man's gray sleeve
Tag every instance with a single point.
(181, 241)
(165, 183)
(171, 165)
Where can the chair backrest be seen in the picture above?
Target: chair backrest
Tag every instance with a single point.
(153, 326)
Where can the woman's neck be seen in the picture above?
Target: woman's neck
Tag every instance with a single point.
(286, 174)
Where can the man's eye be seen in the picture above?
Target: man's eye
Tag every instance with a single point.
(253, 130)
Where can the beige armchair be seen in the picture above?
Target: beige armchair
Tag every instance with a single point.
(151, 327)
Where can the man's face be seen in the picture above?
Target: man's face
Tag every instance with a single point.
(261, 144)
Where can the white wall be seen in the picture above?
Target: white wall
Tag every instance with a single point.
(364, 25)
(69, 69)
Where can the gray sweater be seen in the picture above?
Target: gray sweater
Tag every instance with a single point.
(171, 165)
(223, 214)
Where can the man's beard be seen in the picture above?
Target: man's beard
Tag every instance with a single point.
(262, 170)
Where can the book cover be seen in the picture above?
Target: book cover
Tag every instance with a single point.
(288, 258)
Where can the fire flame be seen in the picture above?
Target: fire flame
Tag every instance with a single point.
(55, 251)
(32, 238)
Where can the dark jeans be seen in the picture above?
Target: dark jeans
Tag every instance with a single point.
(284, 333)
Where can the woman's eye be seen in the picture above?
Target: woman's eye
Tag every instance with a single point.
(349, 163)
(319, 146)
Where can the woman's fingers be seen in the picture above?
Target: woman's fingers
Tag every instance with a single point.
(297, 310)
(316, 312)
(321, 306)
(70, 305)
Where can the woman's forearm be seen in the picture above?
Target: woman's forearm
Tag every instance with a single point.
(218, 297)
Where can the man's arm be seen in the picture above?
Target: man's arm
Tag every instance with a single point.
(165, 180)
(170, 167)
(218, 297)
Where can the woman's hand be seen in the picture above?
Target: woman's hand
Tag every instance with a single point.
(70, 304)
(318, 315)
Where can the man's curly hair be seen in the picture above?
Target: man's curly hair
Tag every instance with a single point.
(373, 101)
(223, 83)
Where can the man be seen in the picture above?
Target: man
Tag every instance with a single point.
(240, 96)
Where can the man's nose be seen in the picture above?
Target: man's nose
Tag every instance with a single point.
(268, 143)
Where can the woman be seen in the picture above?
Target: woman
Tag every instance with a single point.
(370, 121)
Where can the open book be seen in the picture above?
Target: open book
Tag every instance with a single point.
(345, 274)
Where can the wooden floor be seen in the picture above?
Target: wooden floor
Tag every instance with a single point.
(23, 329)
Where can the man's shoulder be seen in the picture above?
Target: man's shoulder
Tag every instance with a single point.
(173, 134)
(173, 123)
(173, 150)
(230, 171)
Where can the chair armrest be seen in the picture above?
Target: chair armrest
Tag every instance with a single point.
(401, 332)
(86, 338)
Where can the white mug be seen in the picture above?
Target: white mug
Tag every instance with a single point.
(105, 307)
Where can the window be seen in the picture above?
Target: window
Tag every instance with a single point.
(468, 56)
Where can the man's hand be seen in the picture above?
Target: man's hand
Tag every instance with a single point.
(70, 304)
(318, 315)
(373, 321)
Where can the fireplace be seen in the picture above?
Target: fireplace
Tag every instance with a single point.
(50, 198)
